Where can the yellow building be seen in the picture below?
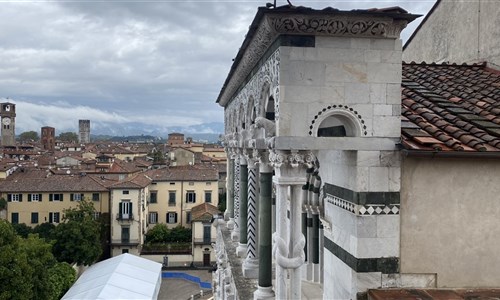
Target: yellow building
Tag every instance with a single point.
(128, 214)
(203, 233)
(35, 197)
(175, 191)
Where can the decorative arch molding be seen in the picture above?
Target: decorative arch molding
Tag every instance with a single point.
(264, 81)
(352, 119)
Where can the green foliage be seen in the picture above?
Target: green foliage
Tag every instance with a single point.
(60, 276)
(22, 230)
(45, 231)
(158, 157)
(28, 270)
(77, 239)
(40, 258)
(160, 234)
(68, 137)
(15, 270)
(28, 136)
(3, 203)
(157, 234)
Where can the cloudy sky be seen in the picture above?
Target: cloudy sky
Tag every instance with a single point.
(153, 64)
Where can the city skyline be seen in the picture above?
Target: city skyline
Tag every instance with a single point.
(149, 66)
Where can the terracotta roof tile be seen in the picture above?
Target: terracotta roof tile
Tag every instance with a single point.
(450, 107)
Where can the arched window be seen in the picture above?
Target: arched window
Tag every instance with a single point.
(270, 109)
(337, 125)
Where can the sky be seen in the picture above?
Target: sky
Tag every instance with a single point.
(147, 65)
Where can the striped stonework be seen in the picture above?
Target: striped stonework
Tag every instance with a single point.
(252, 214)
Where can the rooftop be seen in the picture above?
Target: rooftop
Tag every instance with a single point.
(450, 107)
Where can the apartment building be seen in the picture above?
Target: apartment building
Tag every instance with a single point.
(128, 214)
(204, 233)
(38, 196)
(174, 192)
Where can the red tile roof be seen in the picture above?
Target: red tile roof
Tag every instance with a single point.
(450, 107)
(33, 182)
(203, 212)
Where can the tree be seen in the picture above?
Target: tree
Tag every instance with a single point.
(77, 239)
(157, 234)
(28, 136)
(68, 137)
(45, 231)
(158, 157)
(22, 230)
(15, 270)
(61, 278)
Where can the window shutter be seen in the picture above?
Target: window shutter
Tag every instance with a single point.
(29, 199)
(187, 199)
(175, 218)
(81, 196)
(194, 197)
(9, 197)
(20, 197)
(61, 197)
(130, 209)
(120, 209)
(71, 197)
(50, 216)
(51, 197)
(167, 218)
(40, 197)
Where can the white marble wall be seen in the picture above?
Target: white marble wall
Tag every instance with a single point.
(364, 74)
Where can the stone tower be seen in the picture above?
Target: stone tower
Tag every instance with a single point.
(48, 138)
(84, 131)
(8, 114)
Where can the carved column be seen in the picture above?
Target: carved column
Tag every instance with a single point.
(290, 174)
(241, 250)
(236, 230)
(229, 214)
(251, 263)
(265, 288)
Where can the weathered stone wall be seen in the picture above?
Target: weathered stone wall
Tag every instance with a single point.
(458, 31)
(447, 228)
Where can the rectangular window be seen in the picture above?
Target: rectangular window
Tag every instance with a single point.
(125, 192)
(208, 183)
(56, 197)
(76, 197)
(191, 183)
(95, 196)
(34, 197)
(15, 197)
(208, 196)
(125, 234)
(124, 251)
(207, 234)
(190, 197)
(34, 218)
(54, 217)
(188, 217)
(96, 215)
(171, 218)
(153, 197)
(125, 210)
(172, 183)
(171, 198)
(14, 217)
(153, 217)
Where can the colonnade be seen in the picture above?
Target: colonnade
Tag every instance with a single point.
(252, 173)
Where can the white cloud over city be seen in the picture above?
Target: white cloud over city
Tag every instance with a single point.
(157, 63)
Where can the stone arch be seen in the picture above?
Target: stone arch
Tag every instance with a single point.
(337, 121)
(264, 97)
(251, 112)
(242, 117)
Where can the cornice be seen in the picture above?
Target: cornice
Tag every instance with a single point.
(269, 24)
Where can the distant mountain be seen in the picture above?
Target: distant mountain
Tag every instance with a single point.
(134, 128)
(206, 132)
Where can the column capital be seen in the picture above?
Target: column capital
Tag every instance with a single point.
(253, 157)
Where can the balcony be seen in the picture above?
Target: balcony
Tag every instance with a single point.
(204, 241)
(124, 217)
(125, 242)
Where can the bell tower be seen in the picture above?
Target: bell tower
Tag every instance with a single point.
(8, 114)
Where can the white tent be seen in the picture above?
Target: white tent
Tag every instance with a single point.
(122, 277)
